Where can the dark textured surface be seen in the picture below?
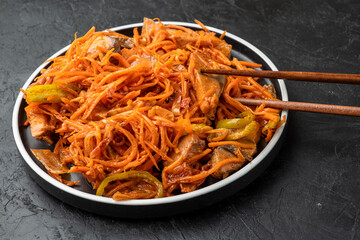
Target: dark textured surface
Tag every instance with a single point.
(311, 190)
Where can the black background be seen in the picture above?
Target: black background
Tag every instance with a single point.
(310, 191)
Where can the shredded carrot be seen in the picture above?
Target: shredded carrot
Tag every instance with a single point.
(223, 35)
(201, 25)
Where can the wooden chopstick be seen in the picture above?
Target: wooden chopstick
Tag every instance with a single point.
(300, 76)
(302, 106)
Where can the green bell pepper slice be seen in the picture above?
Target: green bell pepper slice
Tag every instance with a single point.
(243, 119)
(143, 175)
(242, 132)
(269, 125)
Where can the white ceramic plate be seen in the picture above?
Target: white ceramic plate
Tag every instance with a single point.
(83, 196)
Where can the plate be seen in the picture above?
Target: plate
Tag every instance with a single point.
(83, 197)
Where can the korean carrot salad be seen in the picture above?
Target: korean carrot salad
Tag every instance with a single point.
(137, 118)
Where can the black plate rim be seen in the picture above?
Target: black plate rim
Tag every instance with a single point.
(148, 202)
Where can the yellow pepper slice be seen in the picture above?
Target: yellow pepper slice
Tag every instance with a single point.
(48, 93)
(201, 128)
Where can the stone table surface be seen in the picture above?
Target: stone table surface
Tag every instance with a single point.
(310, 191)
